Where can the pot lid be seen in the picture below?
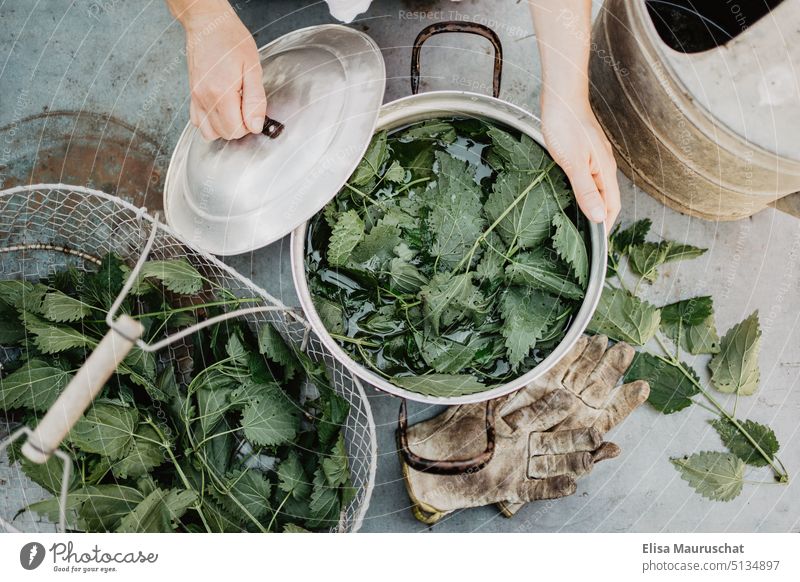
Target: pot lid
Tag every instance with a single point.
(325, 85)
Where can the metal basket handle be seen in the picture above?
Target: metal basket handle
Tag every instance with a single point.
(445, 466)
(457, 26)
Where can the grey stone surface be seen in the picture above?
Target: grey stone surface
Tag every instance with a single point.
(124, 58)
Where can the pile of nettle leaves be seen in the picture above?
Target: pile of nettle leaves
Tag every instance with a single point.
(687, 326)
(241, 445)
(453, 258)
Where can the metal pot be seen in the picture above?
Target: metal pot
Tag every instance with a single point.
(418, 107)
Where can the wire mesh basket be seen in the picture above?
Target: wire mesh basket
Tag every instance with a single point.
(47, 227)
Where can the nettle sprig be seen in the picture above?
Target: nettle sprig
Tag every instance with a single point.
(687, 326)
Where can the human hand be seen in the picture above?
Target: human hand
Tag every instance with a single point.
(225, 75)
(578, 144)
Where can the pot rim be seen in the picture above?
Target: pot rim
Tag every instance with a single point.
(430, 105)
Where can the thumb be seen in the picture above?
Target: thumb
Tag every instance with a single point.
(254, 99)
(587, 192)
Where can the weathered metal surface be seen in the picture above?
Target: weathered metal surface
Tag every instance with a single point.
(669, 146)
(84, 148)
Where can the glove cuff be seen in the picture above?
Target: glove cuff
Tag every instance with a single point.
(424, 512)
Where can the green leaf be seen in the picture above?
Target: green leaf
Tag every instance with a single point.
(449, 356)
(646, 257)
(716, 476)
(177, 275)
(292, 477)
(670, 389)
(431, 129)
(52, 339)
(539, 270)
(270, 421)
(23, 295)
(98, 508)
(740, 446)
(522, 154)
(331, 314)
(272, 345)
(376, 250)
(247, 489)
(690, 324)
(455, 220)
(151, 515)
(324, 502)
(441, 385)
(527, 314)
(48, 474)
(58, 307)
(569, 245)
(105, 429)
(395, 173)
(345, 235)
(621, 239)
(143, 456)
(292, 528)
(623, 317)
(336, 467)
(405, 277)
(528, 222)
(35, 385)
(236, 350)
(178, 501)
(445, 298)
(735, 368)
(370, 165)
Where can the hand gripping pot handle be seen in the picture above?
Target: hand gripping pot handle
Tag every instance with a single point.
(446, 466)
(457, 26)
(82, 389)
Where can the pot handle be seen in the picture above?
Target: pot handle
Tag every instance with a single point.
(457, 26)
(448, 466)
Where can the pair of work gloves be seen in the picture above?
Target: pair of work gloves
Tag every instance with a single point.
(545, 436)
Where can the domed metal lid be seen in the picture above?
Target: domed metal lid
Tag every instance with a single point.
(325, 86)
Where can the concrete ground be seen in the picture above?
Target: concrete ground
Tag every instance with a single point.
(124, 59)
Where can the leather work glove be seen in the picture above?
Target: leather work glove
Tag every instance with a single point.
(545, 436)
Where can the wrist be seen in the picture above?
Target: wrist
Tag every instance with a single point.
(197, 13)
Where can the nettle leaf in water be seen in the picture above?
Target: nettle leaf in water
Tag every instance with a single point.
(716, 476)
(421, 298)
(372, 161)
(735, 368)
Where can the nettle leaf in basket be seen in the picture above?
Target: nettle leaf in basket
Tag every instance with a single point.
(690, 324)
(623, 317)
(336, 466)
(272, 420)
(735, 368)
(59, 307)
(292, 478)
(539, 270)
(149, 516)
(325, 503)
(345, 235)
(145, 453)
(49, 474)
(670, 389)
(456, 220)
(35, 385)
(51, 338)
(105, 429)
(247, 493)
(441, 384)
(740, 446)
(23, 295)
(272, 345)
(716, 476)
(177, 275)
(527, 314)
(569, 245)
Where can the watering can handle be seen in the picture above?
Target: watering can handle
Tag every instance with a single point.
(82, 389)
(457, 26)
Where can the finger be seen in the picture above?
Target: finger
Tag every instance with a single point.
(509, 509)
(564, 364)
(587, 193)
(606, 451)
(228, 120)
(206, 129)
(570, 464)
(563, 441)
(550, 488)
(578, 374)
(607, 373)
(624, 401)
(544, 413)
(193, 116)
(610, 190)
(254, 99)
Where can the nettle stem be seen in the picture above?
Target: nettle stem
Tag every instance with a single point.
(781, 473)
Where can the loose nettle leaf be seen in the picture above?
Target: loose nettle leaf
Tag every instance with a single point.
(346, 234)
(670, 389)
(716, 476)
(621, 239)
(689, 323)
(646, 257)
(623, 317)
(735, 368)
(742, 447)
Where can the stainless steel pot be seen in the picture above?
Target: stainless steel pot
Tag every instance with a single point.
(418, 107)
